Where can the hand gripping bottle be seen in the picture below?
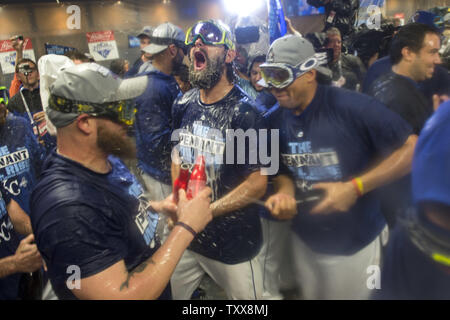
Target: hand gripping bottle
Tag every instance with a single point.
(198, 179)
(181, 182)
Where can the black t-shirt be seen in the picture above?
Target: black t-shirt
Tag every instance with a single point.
(403, 96)
(90, 220)
(236, 236)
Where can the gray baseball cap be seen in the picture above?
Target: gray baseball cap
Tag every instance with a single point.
(91, 83)
(295, 51)
(164, 35)
(147, 31)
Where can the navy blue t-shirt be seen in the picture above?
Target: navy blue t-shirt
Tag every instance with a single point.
(9, 241)
(154, 125)
(236, 236)
(90, 220)
(338, 136)
(20, 157)
(408, 273)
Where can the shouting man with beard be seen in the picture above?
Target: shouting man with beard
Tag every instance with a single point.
(227, 249)
(153, 118)
(93, 226)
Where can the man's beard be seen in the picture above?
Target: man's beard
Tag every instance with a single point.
(115, 143)
(208, 77)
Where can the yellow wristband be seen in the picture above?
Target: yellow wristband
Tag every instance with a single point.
(360, 185)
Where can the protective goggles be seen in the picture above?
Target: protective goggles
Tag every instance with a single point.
(122, 112)
(280, 75)
(431, 240)
(211, 33)
(4, 95)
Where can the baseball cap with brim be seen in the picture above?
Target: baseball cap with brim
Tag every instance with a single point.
(90, 84)
(164, 35)
(296, 55)
(147, 31)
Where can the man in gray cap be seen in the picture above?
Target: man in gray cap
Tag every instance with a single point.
(153, 118)
(338, 146)
(144, 37)
(91, 220)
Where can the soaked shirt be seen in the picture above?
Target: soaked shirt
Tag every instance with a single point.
(153, 125)
(336, 138)
(402, 95)
(236, 236)
(20, 156)
(438, 84)
(9, 241)
(87, 220)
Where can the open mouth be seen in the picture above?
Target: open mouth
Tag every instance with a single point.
(199, 61)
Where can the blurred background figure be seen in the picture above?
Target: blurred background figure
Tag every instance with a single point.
(120, 67)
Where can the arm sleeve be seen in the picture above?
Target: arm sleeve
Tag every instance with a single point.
(15, 86)
(384, 130)
(79, 235)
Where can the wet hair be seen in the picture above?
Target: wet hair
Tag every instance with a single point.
(412, 36)
(77, 55)
(24, 60)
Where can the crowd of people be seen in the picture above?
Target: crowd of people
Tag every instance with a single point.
(125, 183)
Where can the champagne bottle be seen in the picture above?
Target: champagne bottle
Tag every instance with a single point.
(198, 179)
(181, 182)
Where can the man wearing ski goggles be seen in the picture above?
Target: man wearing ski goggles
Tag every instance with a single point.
(121, 112)
(212, 33)
(284, 72)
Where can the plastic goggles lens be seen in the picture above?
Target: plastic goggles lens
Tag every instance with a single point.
(277, 77)
(122, 112)
(210, 34)
(4, 97)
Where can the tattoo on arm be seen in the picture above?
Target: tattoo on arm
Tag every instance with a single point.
(140, 268)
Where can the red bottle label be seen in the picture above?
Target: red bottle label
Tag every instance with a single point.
(198, 178)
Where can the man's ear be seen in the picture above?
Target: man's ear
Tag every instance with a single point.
(173, 50)
(86, 124)
(311, 75)
(408, 54)
(231, 54)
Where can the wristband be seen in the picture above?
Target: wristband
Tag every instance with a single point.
(187, 227)
(357, 183)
